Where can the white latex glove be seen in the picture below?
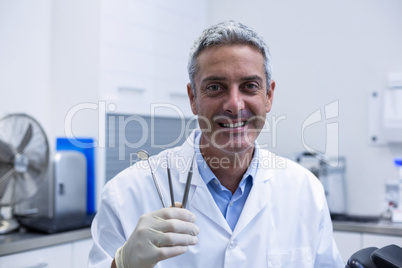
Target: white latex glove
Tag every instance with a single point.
(159, 235)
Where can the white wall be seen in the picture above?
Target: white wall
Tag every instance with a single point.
(144, 47)
(326, 51)
(49, 61)
(25, 58)
(75, 65)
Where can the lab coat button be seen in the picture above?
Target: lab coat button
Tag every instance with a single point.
(232, 244)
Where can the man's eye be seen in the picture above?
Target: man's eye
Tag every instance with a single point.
(251, 86)
(213, 88)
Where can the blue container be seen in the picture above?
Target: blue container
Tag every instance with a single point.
(85, 146)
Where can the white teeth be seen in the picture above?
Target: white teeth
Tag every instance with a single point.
(239, 124)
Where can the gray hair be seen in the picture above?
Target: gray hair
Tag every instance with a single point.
(228, 33)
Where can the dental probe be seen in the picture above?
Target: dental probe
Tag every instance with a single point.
(188, 183)
(170, 181)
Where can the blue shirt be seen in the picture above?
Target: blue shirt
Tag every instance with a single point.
(231, 205)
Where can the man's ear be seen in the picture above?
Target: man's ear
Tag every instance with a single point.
(270, 96)
(191, 97)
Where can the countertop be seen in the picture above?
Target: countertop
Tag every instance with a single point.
(380, 227)
(24, 241)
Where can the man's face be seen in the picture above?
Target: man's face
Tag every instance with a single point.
(231, 98)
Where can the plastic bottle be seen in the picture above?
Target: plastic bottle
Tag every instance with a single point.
(397, 213)
(398, 164)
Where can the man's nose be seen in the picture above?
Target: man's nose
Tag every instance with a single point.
(233, 102)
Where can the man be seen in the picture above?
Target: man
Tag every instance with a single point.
(241, 211)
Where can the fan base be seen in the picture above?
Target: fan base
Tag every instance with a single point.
(7, 226)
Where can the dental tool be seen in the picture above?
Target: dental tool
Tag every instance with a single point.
(188, 183)
(143, 155)
(170, 182)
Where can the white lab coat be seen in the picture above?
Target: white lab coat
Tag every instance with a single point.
(284, 223)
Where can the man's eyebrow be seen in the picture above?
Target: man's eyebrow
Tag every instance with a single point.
(251, 78)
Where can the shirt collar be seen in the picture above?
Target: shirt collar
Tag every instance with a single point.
(206, 173)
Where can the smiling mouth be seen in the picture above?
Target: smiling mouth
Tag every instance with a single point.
(234, 125)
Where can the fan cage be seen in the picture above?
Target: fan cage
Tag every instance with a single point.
(20, 178)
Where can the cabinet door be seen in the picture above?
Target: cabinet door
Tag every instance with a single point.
(56, 256)
(80, 253)
(348, 243)
(379, 241)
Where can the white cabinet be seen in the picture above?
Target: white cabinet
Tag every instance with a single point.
(80, 252)
(379, 241)
(68, 255)
(56, 256)
(348, 243)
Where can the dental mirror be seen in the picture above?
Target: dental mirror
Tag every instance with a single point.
(143, 155)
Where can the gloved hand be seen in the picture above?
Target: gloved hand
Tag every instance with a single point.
(159, 235)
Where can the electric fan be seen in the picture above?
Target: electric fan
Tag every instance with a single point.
(24, 159)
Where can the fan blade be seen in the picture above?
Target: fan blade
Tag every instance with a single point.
(6, 152)
(26, 139)
(37, 167)
(8, 197)
(25, 187)
(4, 180)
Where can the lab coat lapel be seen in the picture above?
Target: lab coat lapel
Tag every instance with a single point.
(258, 197)
(203, 201)
(199, 197)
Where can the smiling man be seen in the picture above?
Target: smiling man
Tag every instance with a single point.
(241, 212)
(231, 96)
